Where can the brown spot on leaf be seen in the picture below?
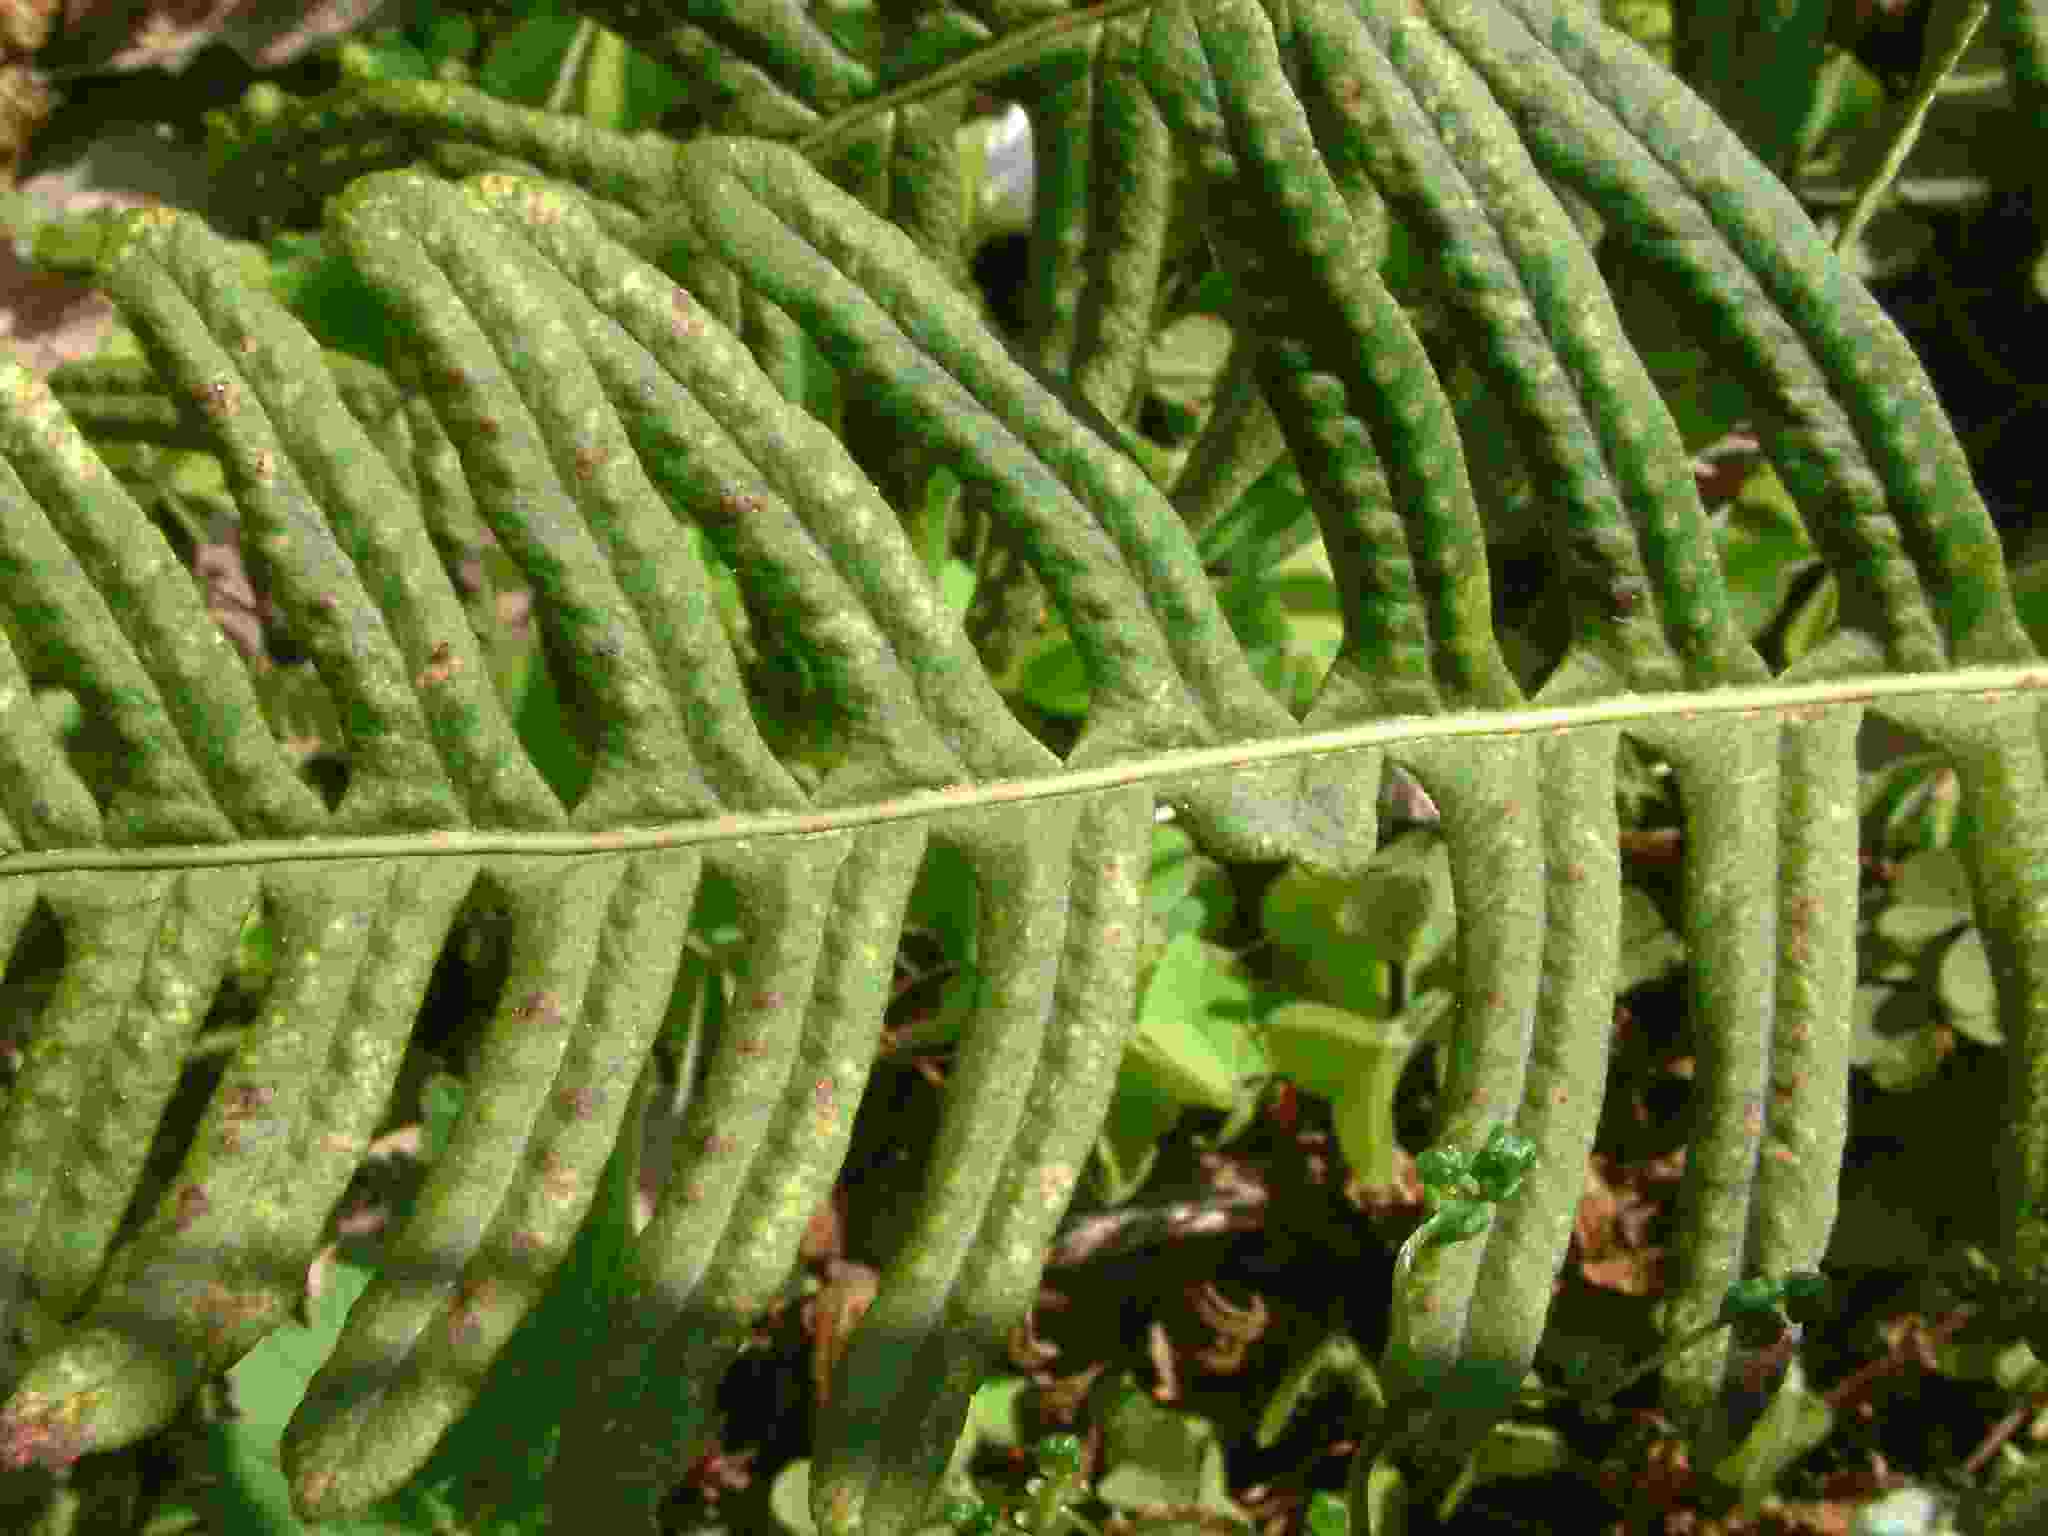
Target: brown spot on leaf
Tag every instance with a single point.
(39, 1433)
(465, 1319)
(442, 664)
(558, 1179)
(717, 1144)
(245, 1099)
(192, 1204)
(579, 1103)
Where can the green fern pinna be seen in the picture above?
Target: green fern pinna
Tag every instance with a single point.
(597, 356)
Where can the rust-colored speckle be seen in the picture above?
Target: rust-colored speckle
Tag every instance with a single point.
(768, 1001)
(225, 1315)
(752, 1045)
(1784, 1154)
(442, 664)
(541, 1005)
(1753, 1119)
(465, 1319)
(314, 1487)
(694, 1192)
(246, 1099)
(192, 1204)
(688, 321)
(588, 462)
(558, 1179)
(579, 1103)
(41, 1433)
(718, 1144)
(1348, 90)
(487, 426)
(217, 397)
(526, 1243)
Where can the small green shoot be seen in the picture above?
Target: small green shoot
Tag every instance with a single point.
(1758, 1309)
(1461, 1187)
(1051, 1498)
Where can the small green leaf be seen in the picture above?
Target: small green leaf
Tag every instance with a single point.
(248, 1494)
(1796, 1421)
(1455, 1222)
(1328, 1515)
(1194, 1037)
(1967, 990)
(1500, 1165)
(1155, 1455)
(789, 1499)
(1336, 1362)
(1356, 1063)
(1930, 897)
(1440, 1167)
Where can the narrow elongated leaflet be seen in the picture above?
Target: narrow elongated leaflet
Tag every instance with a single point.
(700, 1278)
(113, 1041)
(1634, 537)
(222, 1259)
(351, 565)
(872, 1471)
(471, 1261)
(106, 602)
(780, 492)
(1684, 192)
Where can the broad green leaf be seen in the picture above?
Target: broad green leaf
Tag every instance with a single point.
(1356, 1063)
(1930, 897)
(1764, 549)
(1153, 1455)
(1194, 1042)
(1969, 996)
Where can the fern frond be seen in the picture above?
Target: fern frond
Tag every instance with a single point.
(600, 355)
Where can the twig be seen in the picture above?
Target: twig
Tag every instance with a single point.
(1129, 1228)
